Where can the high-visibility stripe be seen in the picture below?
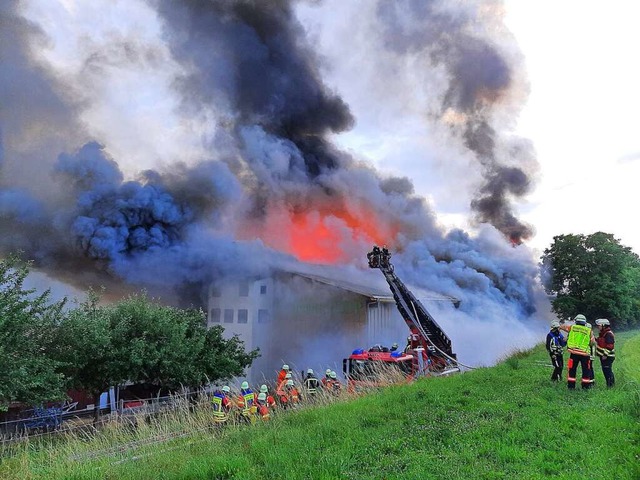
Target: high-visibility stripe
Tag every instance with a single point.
(571, 379)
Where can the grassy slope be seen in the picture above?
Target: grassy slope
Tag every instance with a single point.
(503, 422)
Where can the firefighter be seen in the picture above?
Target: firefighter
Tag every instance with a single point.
(554, 344)
(311, 384)
(281, 385)
(271, 403)
(288, 395)
(605, 350)
(246, 402)
(292, 393)
(592, 357)
(327, 378)
(283, 373)
(579, 343)
(385, 257)
(263, 407)
(374, 257)
(334, 386)
(221, 404)
(394, 347)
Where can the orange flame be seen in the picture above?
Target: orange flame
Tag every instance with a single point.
(325, 235)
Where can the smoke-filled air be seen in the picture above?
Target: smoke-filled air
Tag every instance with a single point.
(165, 144)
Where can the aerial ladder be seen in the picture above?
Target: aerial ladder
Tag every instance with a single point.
(431, 346)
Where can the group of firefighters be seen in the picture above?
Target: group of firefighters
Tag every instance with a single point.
(249, 406)
(580, 342)
(583, 347)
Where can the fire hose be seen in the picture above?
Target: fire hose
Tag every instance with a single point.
(424, 334)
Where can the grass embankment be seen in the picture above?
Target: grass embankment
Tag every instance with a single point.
(508, 421)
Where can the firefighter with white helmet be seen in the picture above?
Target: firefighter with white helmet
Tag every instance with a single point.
(555, 343)
(271, 403)
(311, 384)
(263, 406)
(289, 396)
(283, 372)
(605, 350)
(579, 343)
(326, 378)
(221, 404)
(247, 402)
(334, 385)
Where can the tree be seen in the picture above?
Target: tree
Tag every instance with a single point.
(594, 275)
(141, 341)
(27, 322)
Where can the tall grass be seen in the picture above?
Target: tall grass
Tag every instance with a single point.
(507, 421)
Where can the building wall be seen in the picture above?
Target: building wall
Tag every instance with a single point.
(302, 322)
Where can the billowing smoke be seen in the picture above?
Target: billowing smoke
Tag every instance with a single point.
(265, 184)
(483, 85)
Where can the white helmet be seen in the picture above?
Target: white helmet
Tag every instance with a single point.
(287, 376)
(285, 367)
(603, 322)
(226, 389)
(263, 389)
(310, 371)
(262, 396)
(580, 319)
(327, 372)
(332, 374)
(555, 324)
(289, 383)
(245, 385)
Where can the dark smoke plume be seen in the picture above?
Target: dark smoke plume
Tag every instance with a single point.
(482, 81)
(271, 188)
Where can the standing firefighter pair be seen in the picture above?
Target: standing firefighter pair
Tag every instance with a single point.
(582, 347)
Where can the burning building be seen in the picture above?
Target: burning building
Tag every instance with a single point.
(308, 319)
(194, 143)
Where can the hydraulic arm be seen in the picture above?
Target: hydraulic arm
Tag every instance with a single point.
(425, 331)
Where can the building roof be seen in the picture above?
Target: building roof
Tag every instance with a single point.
(366, 283)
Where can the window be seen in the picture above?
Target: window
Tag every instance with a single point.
(228, 315)
(244, 289)
(243, 315)
(263, 316)
(263, 289)
(214, 315)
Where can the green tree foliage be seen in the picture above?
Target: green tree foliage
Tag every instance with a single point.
(594, 275)
(27, 322)
(141, 341)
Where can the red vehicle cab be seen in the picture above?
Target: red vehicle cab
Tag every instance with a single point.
(377, 366)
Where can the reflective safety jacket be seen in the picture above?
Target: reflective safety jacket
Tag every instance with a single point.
(606, 343)
(220, 404)
(555, 342)
(311, 384)
(579, 339)
(263, 411)
(247, 401)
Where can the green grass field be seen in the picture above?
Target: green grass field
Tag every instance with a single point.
(504, 422)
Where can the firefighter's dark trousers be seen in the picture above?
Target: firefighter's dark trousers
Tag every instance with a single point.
(585, 364)
(557, 362)
(607, 364)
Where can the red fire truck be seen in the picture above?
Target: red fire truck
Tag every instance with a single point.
(428, 350)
